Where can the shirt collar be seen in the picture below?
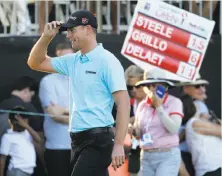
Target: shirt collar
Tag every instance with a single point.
(88, 56)
(149, 101)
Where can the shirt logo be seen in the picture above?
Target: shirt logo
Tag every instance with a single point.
(90, 72)
(85, 20)
(147, 6)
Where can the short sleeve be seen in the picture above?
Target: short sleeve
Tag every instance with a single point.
(176, 107)
(47, 94)
(5, 145)
(114, 75)
(60, 64)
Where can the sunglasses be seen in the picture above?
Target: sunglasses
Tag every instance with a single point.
(130, 87)
(200, 85)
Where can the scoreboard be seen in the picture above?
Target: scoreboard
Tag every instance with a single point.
(169, 38)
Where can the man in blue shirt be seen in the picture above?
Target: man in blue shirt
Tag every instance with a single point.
(96, 81)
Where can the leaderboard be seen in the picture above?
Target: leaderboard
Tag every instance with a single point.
(165, 46)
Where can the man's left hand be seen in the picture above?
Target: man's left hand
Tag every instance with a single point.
(118, 156)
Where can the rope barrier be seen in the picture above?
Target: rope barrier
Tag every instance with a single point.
(30, 113)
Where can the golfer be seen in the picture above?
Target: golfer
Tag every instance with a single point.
(96, 81)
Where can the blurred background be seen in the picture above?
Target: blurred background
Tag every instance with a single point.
(22, 22)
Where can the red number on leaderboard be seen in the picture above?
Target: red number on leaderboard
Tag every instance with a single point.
(185, 70)
(197, 43)
(194, 58)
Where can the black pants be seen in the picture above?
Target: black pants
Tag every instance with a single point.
(58, 162)
(91, 152)
(134, 161)
(214, 173)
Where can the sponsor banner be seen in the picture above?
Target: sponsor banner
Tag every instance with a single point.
(159, 36)
(177, 17)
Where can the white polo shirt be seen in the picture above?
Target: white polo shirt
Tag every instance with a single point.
(54, 88)
(19, 146)
(205, 150)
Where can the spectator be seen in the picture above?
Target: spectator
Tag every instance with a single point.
(23, 90)
(95, 84)
(204, 141)
(205, 7)
(54, 96)
(21, 95)
(197, 91)
(18, 144)
(186, 168)
(134, 74)
(21, 16)
(42, 13)
(157, 123)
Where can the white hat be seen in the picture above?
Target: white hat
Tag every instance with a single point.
(198, 81)
(155, 76)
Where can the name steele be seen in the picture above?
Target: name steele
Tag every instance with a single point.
(154, 26)
(144, 54)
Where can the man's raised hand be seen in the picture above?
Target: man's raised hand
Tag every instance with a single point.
(52, 28)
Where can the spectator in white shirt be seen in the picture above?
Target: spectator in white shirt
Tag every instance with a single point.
(197, 91)
(18, 144)
(204, 142)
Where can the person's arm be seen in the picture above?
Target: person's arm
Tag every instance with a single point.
(48, 95)
(170, 121)
(38, 59)
(2, 164)
(64, 119)
(205, 7)
(112, 74)
(42, 14)
(58, 113)
(137, 130)
(207, 128)
(122, 120)
(40, 148)
(32, 132)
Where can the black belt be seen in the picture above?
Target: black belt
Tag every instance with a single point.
(92, 131)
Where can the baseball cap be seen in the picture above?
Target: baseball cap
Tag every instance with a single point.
(80, 18)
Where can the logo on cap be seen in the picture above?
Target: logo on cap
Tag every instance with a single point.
(84, 20)
(73, 18)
